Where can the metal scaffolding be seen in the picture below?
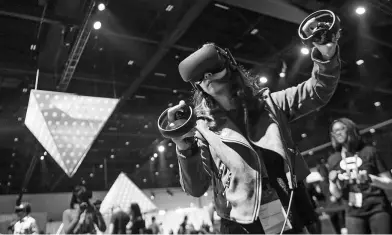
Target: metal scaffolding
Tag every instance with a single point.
(77, 50)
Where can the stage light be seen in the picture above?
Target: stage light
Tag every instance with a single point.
(101, 7)
(161, 148)
(282, 75)
(169, 7)
(377, 104)
(360, 10)
(304, 51)
(97, 25)
(372, 130)
(263, 80)
(359, 62)
(42, 158)
(162, 212)
(155, 155)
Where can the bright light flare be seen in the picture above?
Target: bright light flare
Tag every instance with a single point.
(263, 80)
(360, 10)
(101, 7)
(97, 25)
(304, 51)
(161, 148)
(359, 62)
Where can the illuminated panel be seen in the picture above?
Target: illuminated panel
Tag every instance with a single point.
(67, 124)
(124, 192)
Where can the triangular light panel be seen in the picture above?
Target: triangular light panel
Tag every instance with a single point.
(124, 192)
(67, 124)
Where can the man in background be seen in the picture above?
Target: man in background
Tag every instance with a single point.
(154, 227)
(25, 224)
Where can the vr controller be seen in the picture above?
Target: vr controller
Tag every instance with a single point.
(184, 121)
(319, 27)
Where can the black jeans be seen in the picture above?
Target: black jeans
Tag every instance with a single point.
(378, 223)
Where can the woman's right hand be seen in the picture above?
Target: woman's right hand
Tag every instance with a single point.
(181, 142)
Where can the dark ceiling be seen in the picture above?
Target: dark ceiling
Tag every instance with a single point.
(134, 57)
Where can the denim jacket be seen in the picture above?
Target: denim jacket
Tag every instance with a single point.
(226, 159)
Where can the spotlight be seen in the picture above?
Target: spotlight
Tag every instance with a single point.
(101, 7)
(282, 74)
(42, 158)
(263, 80)
(304, 50)
(377, 104)
(360, 10)
(97, 25)
(161, 148)
(359, 62)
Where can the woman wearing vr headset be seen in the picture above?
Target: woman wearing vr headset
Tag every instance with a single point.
(83, 217)
(242, 144)
(359, 176)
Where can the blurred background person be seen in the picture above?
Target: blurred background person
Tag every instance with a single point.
(138, 225)
(359, 175)
(25, 224)
(82, 217)
(118, 221)
(154, 227)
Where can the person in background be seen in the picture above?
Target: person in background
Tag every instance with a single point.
(82, 217)
(155, 229)
(118, 221)
(359, 175)
(183, 226)
(138, 224)
(25, 223)
(97, 204)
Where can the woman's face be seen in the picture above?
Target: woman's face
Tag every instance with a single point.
(214, 85)
(339, 131)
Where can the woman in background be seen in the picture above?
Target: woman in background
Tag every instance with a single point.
(138, 224)
(83, 217)
(358, 175)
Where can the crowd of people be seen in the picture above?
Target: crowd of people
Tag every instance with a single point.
(354, 178)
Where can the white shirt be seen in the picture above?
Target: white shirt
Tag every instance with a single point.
(26, 225)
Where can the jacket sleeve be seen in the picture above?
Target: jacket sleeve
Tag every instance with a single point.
(313, 93)
(195, 173)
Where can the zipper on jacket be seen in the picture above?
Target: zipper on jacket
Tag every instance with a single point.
(258, 179)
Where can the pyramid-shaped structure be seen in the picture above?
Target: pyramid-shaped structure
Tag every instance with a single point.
(124, 192)
(67, 124)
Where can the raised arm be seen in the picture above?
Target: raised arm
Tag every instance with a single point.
(313, 93)
(195, 175)
(69, 222)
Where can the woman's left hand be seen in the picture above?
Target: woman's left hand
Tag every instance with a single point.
(328, 50)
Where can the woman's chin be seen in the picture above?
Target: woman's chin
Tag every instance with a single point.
(218, 88)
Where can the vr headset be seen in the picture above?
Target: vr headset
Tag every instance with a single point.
(208, 59)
